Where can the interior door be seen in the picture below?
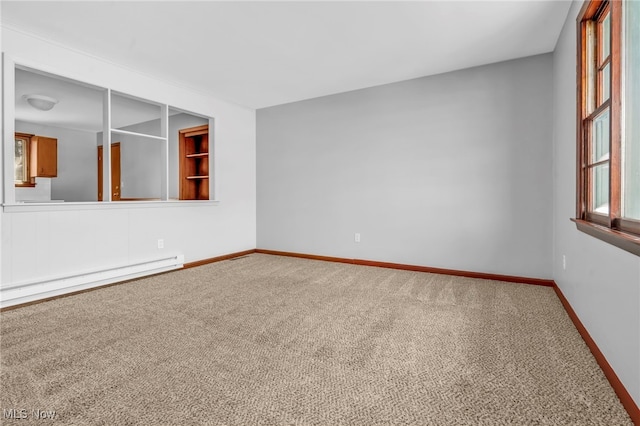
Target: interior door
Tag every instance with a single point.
(115, 172)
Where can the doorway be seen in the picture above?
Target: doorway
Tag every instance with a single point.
(115, 172)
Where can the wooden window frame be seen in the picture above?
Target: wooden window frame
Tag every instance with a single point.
(29, 182)
(612, 227)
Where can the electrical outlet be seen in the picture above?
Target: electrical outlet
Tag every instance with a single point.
(160, 243)
(564, 262)
(356, 237)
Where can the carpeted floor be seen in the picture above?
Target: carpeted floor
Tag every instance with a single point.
(274, 340)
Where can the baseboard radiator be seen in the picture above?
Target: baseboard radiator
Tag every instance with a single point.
(30, 291)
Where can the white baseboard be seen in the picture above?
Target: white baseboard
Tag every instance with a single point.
(30, 291)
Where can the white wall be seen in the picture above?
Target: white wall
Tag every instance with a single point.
(77, 178)
(38, 193)
(601, 282)
(37, 245)
(450, 171)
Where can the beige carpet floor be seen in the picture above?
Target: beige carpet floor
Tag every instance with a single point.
(270, 340)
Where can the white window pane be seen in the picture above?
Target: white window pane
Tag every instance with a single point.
(606, 82)
(600, 189)
(19, 174)
(631, 167)
(600, 137)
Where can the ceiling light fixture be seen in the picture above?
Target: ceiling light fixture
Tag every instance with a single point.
(41, 102)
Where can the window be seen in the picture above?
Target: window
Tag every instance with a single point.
(608, 176)
(631, 96)
(144, 167)
(21, 174)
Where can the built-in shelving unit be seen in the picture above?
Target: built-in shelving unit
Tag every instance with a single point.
(194, 163)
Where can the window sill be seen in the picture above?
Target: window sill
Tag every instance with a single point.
(25, 185)
(623, 240)
(102, 205)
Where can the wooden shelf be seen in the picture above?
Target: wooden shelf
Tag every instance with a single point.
(142, 135)
(194, 163)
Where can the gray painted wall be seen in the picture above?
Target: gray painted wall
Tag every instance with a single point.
(141, 168)
(450, 171)
(601, 282)
(77, 178)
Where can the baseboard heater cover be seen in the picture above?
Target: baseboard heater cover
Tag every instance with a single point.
(43, 288)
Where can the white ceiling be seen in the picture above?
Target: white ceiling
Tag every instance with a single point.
(260, 54)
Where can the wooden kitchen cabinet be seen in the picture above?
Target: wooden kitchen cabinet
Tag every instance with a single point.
(43, 154)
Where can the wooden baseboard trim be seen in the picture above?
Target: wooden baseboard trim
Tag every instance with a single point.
(305, 256)
(217, 259)
(625, 398)
(480, 275)
(468, 274)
